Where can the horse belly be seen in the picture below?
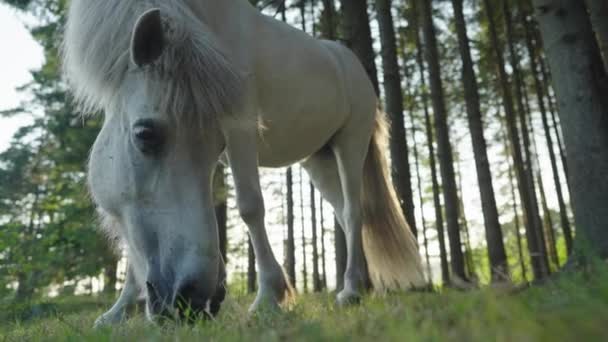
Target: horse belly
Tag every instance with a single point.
(292, 139)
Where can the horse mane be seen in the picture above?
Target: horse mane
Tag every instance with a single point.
(192, 77)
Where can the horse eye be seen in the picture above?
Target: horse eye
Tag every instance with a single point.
(148, 136)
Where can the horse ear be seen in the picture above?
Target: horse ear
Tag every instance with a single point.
(148, 39)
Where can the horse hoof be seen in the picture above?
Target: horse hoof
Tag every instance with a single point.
(108, 319)
(263, 305)
(348, 298)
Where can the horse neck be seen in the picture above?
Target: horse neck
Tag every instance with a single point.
(220, 15)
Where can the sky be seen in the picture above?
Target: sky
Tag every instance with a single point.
(23, 55)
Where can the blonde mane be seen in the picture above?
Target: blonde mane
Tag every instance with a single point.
(193, 76)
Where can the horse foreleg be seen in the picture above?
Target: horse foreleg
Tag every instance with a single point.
(273, 287)
(128, 296)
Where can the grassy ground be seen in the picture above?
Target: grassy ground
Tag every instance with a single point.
(574, 308)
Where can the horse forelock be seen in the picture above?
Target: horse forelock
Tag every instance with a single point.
(193, 77)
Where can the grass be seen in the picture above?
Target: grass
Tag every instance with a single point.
(574, 308)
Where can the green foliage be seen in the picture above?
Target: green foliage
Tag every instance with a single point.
(573, 308)
(46, 218)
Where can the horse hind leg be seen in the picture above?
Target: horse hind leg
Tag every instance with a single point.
(337, 173)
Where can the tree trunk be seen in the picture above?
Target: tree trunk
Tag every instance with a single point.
(468, 251)
(329, 20)
(221, 210)
(323, 253)
(598, 13)
(496, 249)
(303, 227)
(551, 104)
(580, 84)
(358, 37)
(538, 87)
(251, 272)
(444, 146)
(524, 180)
(400, 164)
(421, 198)
(109, 277)
(316, 278)
(445, 272)
(290, 252)
(411, 100)
(340, 248)
(518, 239)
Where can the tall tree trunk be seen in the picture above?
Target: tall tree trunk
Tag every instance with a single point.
(444, 146)
(443, 255)
(358, 37)
(547, 220)
(421, 198)
(518, 239)
(538, 87)
(552, 110)
(323, 251)
(580, 84)
(251, 272)
(521, 110)
(468, 250)
(598, 12)
(524, 180)
(221, 209)
(329, 20)
(394, 107)
(109, 276)
(496, 249)
(290, 252)
(411, 100)
(340, 248)
(303, 226)
(329, 31)
(316, 278)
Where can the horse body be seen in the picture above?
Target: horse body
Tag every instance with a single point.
(263, 94)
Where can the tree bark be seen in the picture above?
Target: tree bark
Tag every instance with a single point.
(580, 84)
(400, 164)
(538, 87)
(496, 249)
(444, 146)
(323, 250)
(221, 210)
(598, 13)
(524, 180)
(316, 278)
(518, 239)
(251, 272)
(110, 278)
(525, 131)
(340, 248)
(358, 37)
(303, 227)
(445, 272)
(290, 252)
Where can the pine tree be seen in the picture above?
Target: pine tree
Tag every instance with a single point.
(576, 64)
(444, 147)
(496, 250)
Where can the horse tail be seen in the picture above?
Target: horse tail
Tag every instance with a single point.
(390, 247)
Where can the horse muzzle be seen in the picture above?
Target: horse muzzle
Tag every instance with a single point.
(184, 301)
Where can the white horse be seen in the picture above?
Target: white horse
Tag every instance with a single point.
(185, 83)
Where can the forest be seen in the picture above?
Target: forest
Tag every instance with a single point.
(498, 152)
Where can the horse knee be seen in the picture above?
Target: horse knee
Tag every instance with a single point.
(251, 208)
